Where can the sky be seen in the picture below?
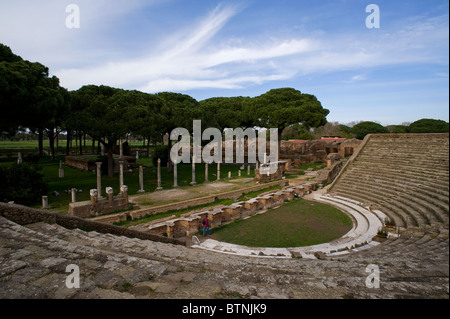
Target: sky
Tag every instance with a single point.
(389, 65)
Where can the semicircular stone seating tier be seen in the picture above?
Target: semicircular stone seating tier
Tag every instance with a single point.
(366, 224)
(406, 176)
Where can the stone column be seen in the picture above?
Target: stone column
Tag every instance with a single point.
(120, 173)
(248, 170)
(44, 202)
(193, 172)
(175, 175)
(239, 173)
(137, 155)
(141, 179)
(19, 158)
(206, 172)
(120, 148)
(159, 175)
(99, 178)
(61, 170)
(102, 152)
(218, 171)
(74, 195)
(229, 174)
(124, 192)
(94, 196)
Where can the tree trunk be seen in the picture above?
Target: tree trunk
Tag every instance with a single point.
(110, 159)
(41, 141)
(68, 142)
(81, 143)
(93, 145)
(51, 139)
(169, 161)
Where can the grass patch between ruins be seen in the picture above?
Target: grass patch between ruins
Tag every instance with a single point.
(297, 223)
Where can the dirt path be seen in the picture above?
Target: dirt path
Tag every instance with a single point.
(185, 193)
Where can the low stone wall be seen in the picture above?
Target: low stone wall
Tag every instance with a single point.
(80, 163)
(99, 206)
(327, 175)
(263, 175)
(88, 163)
(136, 214)
(190, 225)
(24, 215)
(302, 152)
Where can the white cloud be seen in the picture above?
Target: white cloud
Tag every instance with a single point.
(188, 62)
(198, 56)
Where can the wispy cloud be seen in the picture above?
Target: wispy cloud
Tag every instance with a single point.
(199, 56)
(188, 61)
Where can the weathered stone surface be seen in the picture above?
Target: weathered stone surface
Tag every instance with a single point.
(35, 249)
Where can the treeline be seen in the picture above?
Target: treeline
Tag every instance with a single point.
(361, 129)
(32, 100)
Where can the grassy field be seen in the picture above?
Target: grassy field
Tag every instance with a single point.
(297, 223)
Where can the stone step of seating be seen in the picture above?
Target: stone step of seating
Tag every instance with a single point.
(33, 266)
(412, 170)
(437, 200)
(399, 150)
(405, 182)
(405, 244)
(430, 189)
(387, 209)
(408, 211)
(414, 173)
(104, 242)
(402, 160)
(407, 159)
(411, 209)
(435, 211)
(400, 147)
(380, 215)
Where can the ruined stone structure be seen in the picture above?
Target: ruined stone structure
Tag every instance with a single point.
(270, 172)
(310, 151)
(86, 163)
(404, 177)
(100, 205)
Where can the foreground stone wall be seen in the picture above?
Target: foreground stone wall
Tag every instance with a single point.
(24, 215)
